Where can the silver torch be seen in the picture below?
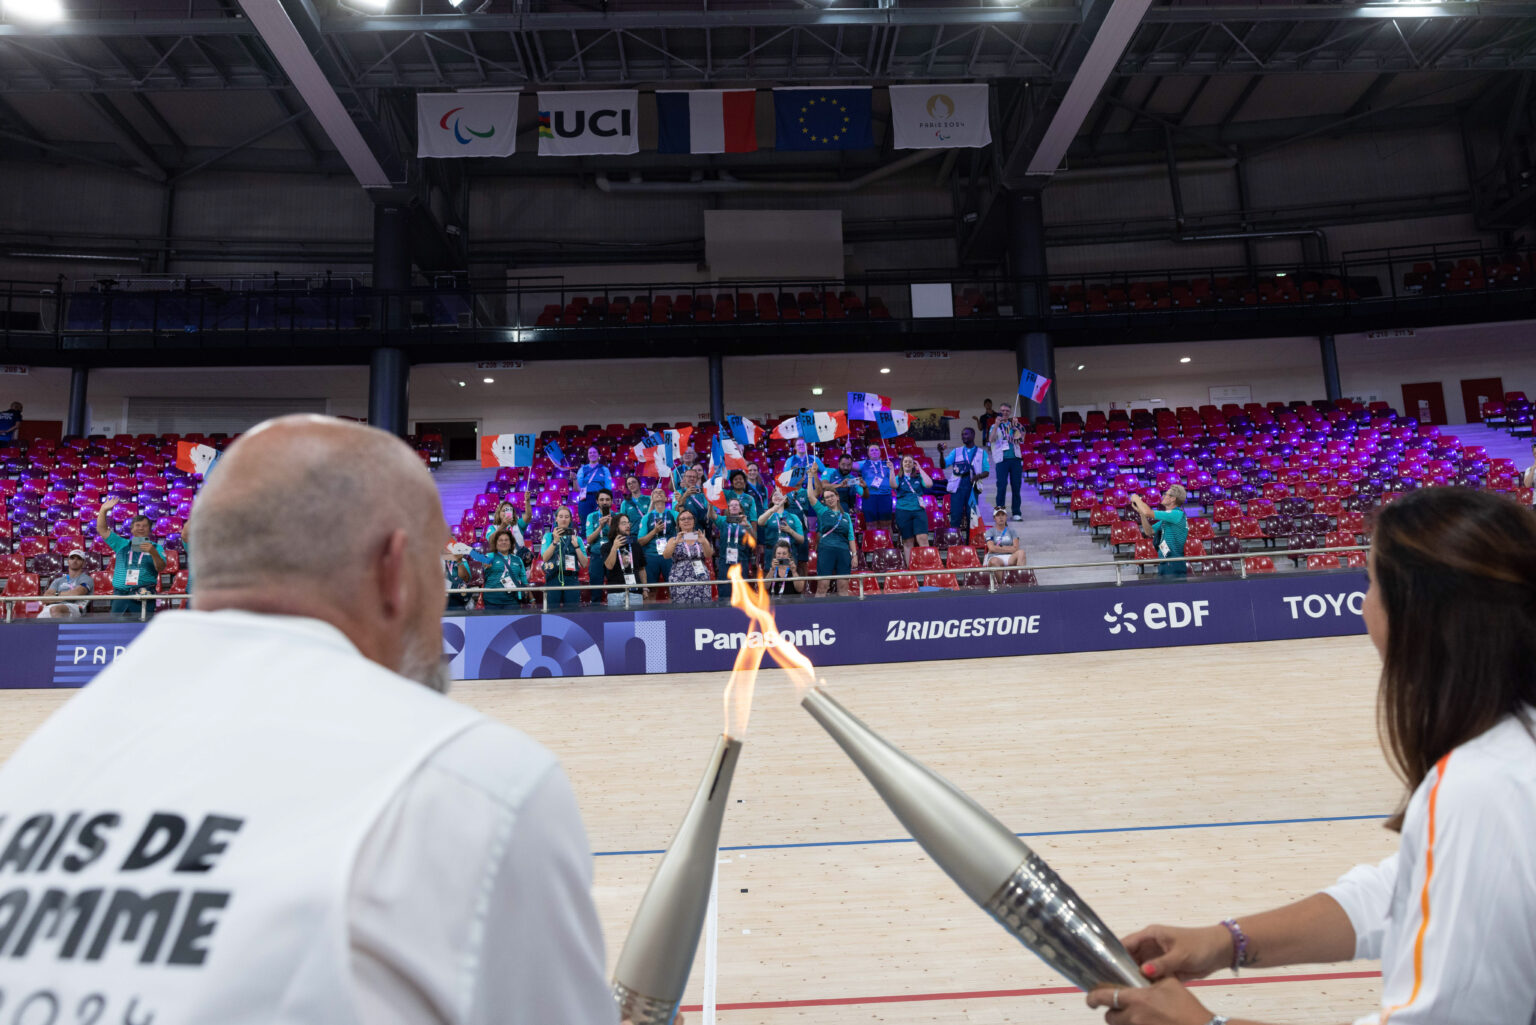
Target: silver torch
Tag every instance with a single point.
(994, 867)
(658, 953)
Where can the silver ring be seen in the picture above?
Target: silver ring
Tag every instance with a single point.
(1117, 999)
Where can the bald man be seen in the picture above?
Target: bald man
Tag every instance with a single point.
(266, 810)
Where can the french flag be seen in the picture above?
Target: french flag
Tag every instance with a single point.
(706, 121)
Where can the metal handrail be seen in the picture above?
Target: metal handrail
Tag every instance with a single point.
(10, 600)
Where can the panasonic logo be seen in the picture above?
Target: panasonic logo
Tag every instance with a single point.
(816, 636)
(981, 626)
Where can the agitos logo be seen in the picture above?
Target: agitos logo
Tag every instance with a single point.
(458, 130)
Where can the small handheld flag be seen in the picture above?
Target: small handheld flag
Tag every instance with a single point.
(552, 450)
(193, 457)
(743, 430)
(506, 450)
(1033, 386)
(807, 425)
(864, 405)
(893, 423)
(823, 426)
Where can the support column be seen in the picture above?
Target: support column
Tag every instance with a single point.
(1036, 351)
(717, 388)
(75, 425)
(389, 376)
(1330, 355)
(1033, 350)
(391, 262)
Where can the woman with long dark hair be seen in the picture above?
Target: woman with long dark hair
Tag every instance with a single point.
(1452, 915)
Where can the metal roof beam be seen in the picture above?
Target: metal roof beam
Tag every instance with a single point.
(127, 137)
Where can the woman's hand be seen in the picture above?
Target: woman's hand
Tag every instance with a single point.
(1165, 951)
(1165, 1003)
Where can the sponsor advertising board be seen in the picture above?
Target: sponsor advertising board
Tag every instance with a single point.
(925, 626)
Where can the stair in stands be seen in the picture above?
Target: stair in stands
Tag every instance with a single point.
(1051, 539)
(458, 482)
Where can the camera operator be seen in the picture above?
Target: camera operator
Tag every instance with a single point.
(781, 568)
(597, 524)
(564, 558)
(623, 563)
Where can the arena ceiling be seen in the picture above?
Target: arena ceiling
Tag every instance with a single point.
(166, 89)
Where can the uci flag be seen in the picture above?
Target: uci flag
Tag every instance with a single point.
(466, 124)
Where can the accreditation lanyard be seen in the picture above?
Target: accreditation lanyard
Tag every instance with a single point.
(838, 525)
(565, 556)
(876, 478)
(626, 561)
(668, 528)
(733, 535)
(910, 486)
(505, 562)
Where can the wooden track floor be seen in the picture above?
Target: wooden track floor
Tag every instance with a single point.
(1183, 785)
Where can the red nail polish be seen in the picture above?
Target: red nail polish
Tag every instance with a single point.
(1149, 969)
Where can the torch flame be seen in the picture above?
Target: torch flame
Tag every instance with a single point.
(752, 599)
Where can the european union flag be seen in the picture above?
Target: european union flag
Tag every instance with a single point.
(821, 119)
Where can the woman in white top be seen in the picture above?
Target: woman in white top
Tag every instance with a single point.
(1451, 915)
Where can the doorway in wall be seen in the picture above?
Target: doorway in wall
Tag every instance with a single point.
(1425, 402)
(1477, 391)
(461, 438)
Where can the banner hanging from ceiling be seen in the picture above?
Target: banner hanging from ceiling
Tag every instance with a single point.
(466, 124)
(574, 124)
(939, 116)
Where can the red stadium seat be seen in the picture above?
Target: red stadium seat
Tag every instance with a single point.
(1259, 564)
(924, 559)
(862, 584)
(1356, 560)
(901, 584)
(1201, 529)
(1246, 529)
(1324, 561)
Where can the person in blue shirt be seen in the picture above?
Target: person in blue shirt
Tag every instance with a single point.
(965, 468)
(836, 547)
(690, 498)
(849, 484)
(875, 470)
(596, 527)
(800, 463)
(687, 460)
(590, 479)
(781, 522)
(10, 423)
(1007, 455)
(564, 558)
(657, 527)
(737, 537)
(750, 506)
(634, 503)
(138, 564)
(1168, 528)
(503, 568)
(911, 484)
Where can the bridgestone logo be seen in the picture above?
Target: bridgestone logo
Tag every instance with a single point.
(983, 626)
(816, 636)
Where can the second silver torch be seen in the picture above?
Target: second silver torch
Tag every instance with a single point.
(653, 967)
(994, 867)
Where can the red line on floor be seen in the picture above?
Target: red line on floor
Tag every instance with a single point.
(992, 994)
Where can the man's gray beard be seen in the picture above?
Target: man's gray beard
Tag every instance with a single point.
(427, 668)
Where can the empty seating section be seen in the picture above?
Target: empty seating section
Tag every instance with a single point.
(1124, 295)
(1274, 478)
(1513, 413)
(711, 307)
(217, 309)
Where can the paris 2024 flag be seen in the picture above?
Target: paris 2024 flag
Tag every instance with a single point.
(466, 124)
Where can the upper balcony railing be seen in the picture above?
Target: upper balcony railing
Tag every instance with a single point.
(1458, 277)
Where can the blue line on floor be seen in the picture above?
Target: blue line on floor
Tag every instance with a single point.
(1054, 832)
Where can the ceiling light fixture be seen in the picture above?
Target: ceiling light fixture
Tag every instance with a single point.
(461, 384)
(367, 6)
(35, 10)
(1183, 359)
(490, 380)
(885, 370)
(1080, 366)
(815, 391)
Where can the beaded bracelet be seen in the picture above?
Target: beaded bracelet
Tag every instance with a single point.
(1239, 944)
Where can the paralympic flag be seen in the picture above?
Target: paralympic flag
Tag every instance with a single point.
(706, 121)
(864, 405)
(1033, 386)
(939, 116)
(466, 124)
(814, 118)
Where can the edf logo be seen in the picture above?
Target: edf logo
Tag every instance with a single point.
(1157, 615)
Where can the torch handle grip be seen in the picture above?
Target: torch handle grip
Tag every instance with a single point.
(638, 1009)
